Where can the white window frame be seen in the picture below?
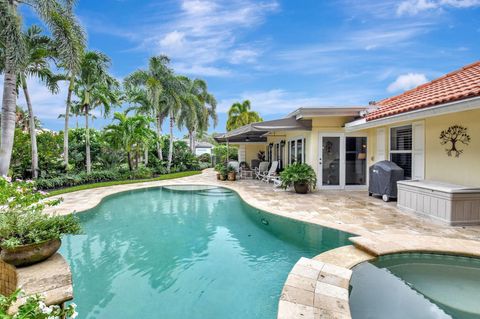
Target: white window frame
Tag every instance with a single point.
(390, 151)
(294, 140)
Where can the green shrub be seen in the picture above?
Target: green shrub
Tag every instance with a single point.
(205, 158)
(33, 308)
(22, 220)
(298, 173)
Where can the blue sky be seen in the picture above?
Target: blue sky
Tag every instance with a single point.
(281, 54)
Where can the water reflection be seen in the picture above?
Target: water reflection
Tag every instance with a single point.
(189, 254)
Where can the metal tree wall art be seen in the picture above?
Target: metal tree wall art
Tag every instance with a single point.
(454, 134)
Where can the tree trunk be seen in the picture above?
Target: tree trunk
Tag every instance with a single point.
(190, 140)
(129, 157)
(194, 141)
(159, 135)
(33, 133)
(65, 129)
(87, 143)
(170, 149)
(136, 158)
(8, 117)
(146, 156)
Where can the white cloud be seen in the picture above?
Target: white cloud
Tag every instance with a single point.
(205, 33)
(406, 82)
(278, 101)
(241, 56)
(413, 7)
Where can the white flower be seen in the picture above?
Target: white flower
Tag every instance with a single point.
(73, 305)
(74, 315)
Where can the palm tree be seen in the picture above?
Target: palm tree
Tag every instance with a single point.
(164, 91)
(57, 16)
(146, 88)
(198, 106)
(36, 64)
(95, 87)
(240, 115)
(131, 134)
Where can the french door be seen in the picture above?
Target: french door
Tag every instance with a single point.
(331, 170)
(342, 161)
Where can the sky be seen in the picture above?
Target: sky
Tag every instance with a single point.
(279, 54)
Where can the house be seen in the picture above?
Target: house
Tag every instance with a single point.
(431, 131)
(201, 147)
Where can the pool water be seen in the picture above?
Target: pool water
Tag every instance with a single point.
(416, 286)
(186, 253)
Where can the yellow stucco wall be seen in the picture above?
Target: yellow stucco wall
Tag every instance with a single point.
(251, 151)
(464, 169)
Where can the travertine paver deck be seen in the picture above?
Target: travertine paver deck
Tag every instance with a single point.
(351, 211)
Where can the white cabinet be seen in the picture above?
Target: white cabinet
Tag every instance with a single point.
(453, 204)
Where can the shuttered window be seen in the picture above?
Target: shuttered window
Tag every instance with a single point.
(401, 148)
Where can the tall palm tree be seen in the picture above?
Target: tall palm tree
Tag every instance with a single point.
(36, 64)
(198, 106)
(147, 88)
(58, 17)
(131, 134)
(95, 87)
(240, 114)
(164, 90)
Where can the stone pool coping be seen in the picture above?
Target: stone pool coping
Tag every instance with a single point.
(318, 287)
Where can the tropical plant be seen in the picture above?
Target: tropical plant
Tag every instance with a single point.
(300, 174)
(33, 308)
(144, 89)
(132, 134)
(36, 64)
(223, 153)
(57, 16)
(240, 114)
(198, 106)
(95, 87)
(23, 222)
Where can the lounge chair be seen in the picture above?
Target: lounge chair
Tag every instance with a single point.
(261, 169)
(272, 172)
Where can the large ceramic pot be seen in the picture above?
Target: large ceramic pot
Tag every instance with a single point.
(30, 254)
(232, 176)
(300, 188)
(219, 176)
(222, 177)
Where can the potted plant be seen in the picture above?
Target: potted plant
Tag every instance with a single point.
(223, 172)
(218, 169)
(232, 173)
(27, 235)
(301, 176)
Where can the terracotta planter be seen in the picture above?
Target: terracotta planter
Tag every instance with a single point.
(232, 176)
(222, 177)
(219, 176)
(30, 254)
(300, 188)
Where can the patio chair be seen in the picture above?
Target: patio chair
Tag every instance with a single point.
(261, 169)
(272, 172)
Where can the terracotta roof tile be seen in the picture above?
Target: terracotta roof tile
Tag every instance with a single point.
(454, 86)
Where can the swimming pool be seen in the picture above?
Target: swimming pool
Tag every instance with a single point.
(415, 285)
(186, 252)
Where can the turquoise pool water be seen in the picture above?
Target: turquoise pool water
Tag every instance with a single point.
(416, 286)
(194, 253)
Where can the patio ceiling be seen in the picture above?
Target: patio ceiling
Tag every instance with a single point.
(256, 132)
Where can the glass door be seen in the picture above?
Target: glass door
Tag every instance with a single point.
(332, 161)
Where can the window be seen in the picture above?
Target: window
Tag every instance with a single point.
(296, 153)
(401, 148)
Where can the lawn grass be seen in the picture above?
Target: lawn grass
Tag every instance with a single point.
(128, 181)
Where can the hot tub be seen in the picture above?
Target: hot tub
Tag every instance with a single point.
(448, 203)
(416, 286)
